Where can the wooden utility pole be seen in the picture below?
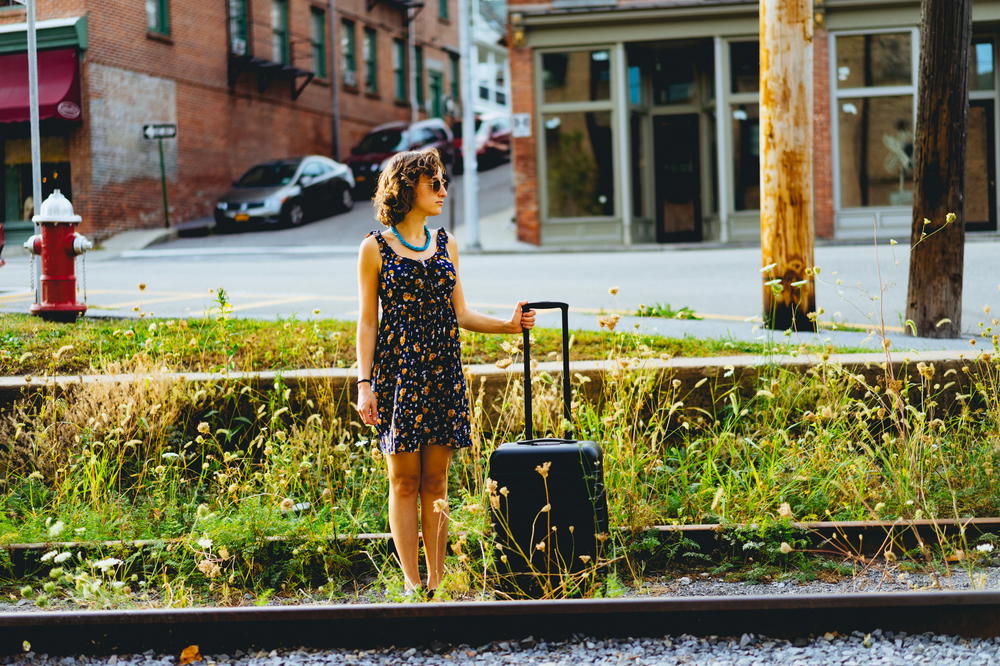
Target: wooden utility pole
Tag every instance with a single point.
(786, 201)
(937, 248)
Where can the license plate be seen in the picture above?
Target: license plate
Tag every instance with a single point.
(241, 217)
(361, 179)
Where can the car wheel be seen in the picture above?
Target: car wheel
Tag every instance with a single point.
(346, 202)
(293, 215)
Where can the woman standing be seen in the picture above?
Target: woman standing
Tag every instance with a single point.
(410, 381)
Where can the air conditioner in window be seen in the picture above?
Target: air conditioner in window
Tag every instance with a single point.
(238, 46)
(350, 78)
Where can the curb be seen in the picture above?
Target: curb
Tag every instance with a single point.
(703, 381)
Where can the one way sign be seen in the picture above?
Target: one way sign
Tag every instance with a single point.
(159, 131)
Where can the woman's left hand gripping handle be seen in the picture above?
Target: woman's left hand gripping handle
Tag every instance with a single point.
(367, 407)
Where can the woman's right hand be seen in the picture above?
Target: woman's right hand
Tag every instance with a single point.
(367, 407)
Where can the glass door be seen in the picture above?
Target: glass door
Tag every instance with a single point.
(678, 183)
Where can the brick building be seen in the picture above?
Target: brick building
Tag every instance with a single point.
(243, 80)
(644, 119)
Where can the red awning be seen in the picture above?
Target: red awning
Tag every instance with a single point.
(58, 86)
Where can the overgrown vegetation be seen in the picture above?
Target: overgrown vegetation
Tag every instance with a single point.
(224, 467)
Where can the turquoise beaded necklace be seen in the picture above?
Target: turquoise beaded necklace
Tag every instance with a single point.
(427, 239)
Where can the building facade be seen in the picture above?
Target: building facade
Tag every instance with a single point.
(243, 80)
(644, 129)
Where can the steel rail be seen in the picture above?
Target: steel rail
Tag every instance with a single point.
(223, 630)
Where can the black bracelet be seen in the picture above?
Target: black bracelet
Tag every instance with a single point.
(362, 381)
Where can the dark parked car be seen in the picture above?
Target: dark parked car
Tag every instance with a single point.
(287, 192)
(493, 132)
(368, 158)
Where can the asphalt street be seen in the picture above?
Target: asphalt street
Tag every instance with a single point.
(310, 271)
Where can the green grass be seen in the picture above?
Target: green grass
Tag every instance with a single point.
(31, 346)
(666, 311)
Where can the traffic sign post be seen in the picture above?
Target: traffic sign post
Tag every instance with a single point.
(161, 131)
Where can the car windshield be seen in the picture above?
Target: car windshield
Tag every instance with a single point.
(386, 141)
(457, 129)
(269, 175)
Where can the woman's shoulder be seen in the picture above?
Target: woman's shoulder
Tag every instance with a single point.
(370, 243)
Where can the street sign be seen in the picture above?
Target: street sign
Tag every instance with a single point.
(159, 131)
(521, 125)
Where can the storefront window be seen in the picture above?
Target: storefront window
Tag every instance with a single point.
(876, 151)
(580, 173)
(744, 67)
(981, 65)
(865, 61)
(577, 76)
(746, 156)
(673, 77)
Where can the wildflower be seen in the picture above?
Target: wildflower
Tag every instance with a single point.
(540, 545)
(209, 568)
(224, 553)
(142, 286)
(546, 508)
(889, 555)
(785, 510)
(585, 559)
(613, 291)
(503, 558)
(785, 548)
(985, 548)
(495, 502)
(503, 491)
(49, 555)
(62, 350)
(543, 469)
(440, 505)
(205, 542)
(286, 504)
(315, 311)
(62, 557)
(950, 218)
(107, 563)
(892, 241)
(202, 511)
(204, 428)
(504, 363)
(56, 528)
(765, 269)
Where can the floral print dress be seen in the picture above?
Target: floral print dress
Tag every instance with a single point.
(417, 373)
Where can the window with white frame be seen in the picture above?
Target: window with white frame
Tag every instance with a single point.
(874, 87)
(577, 115)
(744, 100)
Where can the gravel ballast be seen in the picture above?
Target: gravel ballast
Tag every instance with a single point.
(857, 648)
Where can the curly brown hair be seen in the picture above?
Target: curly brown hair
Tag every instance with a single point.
(397, 183)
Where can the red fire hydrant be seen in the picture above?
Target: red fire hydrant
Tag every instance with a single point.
(58, 245)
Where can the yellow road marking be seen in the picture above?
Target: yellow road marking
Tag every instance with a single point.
(142, 302)
(260, 304)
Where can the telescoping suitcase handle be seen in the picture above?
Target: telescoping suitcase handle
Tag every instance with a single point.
(545, 305)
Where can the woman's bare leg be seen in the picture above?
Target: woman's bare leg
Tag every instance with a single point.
(404, 488)
(434, 487)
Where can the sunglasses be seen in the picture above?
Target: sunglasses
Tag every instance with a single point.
(437, 184)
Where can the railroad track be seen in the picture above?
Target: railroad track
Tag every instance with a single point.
(220, 630)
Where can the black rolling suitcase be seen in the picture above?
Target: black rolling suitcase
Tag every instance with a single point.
(550, 511)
